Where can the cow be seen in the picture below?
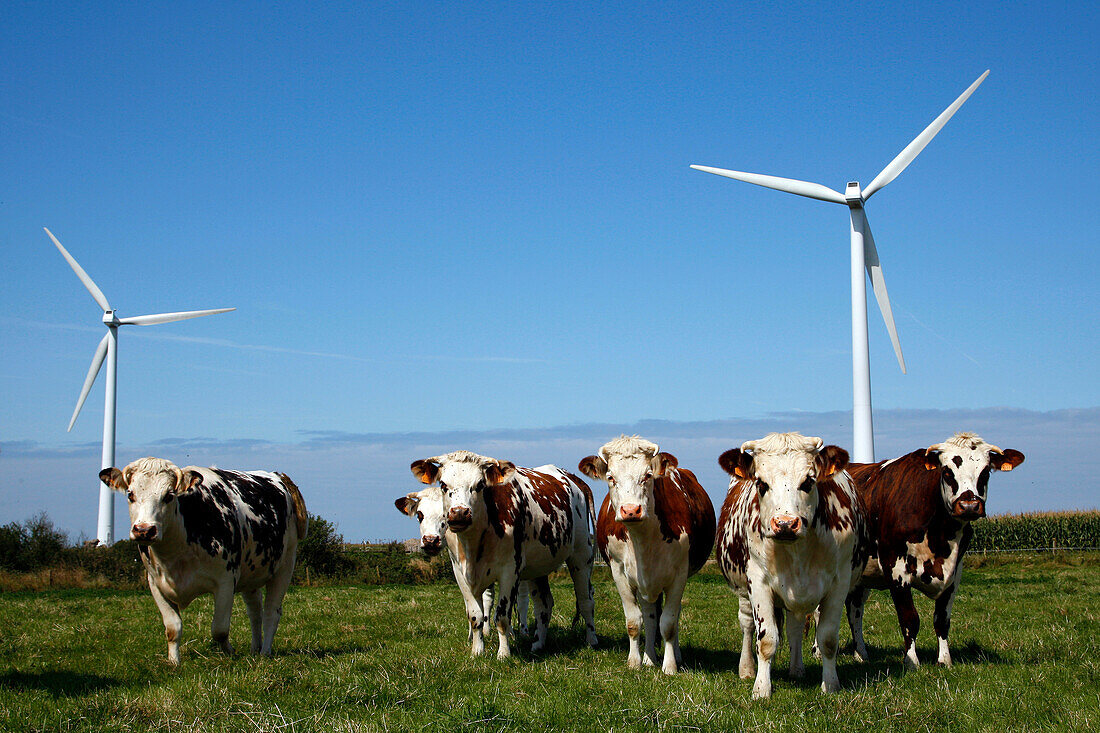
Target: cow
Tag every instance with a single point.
(791, 538)
(511, 524)
(426, 507)
(208, 530)
(919, 511)
(656, 529)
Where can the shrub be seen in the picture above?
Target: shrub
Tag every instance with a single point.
(31, 545)
(321, 552)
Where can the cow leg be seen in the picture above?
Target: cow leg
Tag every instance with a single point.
(670, 625)
(173, 624)
(476, 614)
(649, 617)
(909, 622)
(223, 609)
(580, 570)
(544, 608)
(746, 668)
(254, 604)
(523, 598)
(795, 624)
(505, 600)
(767, 640)
(941, 622)
(273, 606)
(828, 637)
(487, 608)
(632, 613)
(854, 604)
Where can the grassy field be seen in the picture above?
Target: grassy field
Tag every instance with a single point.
(1026, 644)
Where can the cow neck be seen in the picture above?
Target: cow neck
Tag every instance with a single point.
(469, 540)
(173, 544)
(910, 493)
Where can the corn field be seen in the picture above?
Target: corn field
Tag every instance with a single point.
(1037, 531)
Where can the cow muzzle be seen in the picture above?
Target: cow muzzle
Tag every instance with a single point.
(142, 532)
(786, 528)
(431, 544)
(631, 513)
(459, 518)
(968, 507)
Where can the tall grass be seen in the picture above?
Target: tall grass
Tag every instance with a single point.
(1037, 530)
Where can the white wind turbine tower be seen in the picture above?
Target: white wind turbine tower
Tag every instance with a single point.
(864, 257)
(108, 349)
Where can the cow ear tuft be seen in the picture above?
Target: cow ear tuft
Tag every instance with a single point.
(831, 460)
(425, 470)
(593, 467)
(1006, 460)
(932, 458)
(663, 463)
(736, 462)
(187, 480)
(113, 478)
(407, 504)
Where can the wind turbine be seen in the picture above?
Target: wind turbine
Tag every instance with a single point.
(108, 349)
(864, 257)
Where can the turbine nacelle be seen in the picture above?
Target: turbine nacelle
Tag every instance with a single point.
(110, 318)
(853, 195)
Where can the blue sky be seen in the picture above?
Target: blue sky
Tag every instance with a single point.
(435, 218)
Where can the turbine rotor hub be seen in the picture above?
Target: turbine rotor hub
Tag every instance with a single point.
(853, 195)
(110, 318)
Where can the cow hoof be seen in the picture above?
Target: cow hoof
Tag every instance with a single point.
(945, 662)
(634, 662)
(830, 686)
(761, 691)
(796, 672)
(647, 661)
(669, 668)
(862, 655)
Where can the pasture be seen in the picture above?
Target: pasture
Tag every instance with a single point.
(1025, 639)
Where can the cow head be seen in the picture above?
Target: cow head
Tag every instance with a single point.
(629, 465)
(426, 507)
(784, 469)
(964, 463)
(151, 486)
(462, 477)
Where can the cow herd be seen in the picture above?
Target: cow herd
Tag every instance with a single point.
(802, 533)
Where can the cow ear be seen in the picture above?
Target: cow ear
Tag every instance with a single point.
(932, 458)
(407, 504)
(499, 473)
(425, 470)
(663, 463)
(187, 480)
(736, 462)
(113, 478)
(831, 460)
(593, 467)
(1005, 460)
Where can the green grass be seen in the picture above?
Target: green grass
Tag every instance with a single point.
(1026, 644)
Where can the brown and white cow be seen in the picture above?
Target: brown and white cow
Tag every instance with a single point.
(790, 539)
(919, 508)
(511, 524)
(207, 530)
(656, 528)
(426, 507)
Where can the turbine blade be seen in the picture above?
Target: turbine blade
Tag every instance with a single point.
(93, 372)
(169, 317)
(100, 298)
(912, 150)
(790, 185)
(878, 284)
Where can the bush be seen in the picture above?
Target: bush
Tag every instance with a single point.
(321, 552)
(32, 545)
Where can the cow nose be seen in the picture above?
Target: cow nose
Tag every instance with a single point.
(630, 513)
(970, 507)
(431, 544)
(786, 527)
(459, 518)
(143, 532)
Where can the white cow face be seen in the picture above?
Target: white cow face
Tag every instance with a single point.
(151, 486)
(630, 466)
(785, 469)
(964, 463)
(462, 477)
(426, 507)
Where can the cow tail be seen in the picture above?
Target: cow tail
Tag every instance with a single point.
(301, 517)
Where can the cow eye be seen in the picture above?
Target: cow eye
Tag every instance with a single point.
(168, 498)
(648, 475)
(807, 485)
(420, 516)
(610, 480)
(442, 487)
(761, 486)
(130, 496)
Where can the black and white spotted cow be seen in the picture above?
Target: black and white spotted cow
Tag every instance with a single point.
(919, 509)
(207, 530)
(511, 524)
(426, 507)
